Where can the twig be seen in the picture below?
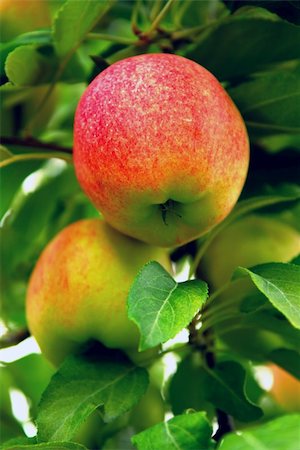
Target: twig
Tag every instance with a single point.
(34, 143)
(160, 17)
(111, 38)
(33, 156)
(13, 338)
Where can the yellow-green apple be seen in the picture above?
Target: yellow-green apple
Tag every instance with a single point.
(20, 16)
(149, 411)
(160, 148)
(250, 241)
(78, 289)
(285, 389)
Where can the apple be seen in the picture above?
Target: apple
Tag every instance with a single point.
(21, 16)
(285, 389)
(250, 241)
(160, 148)
(79, 286)
(151, 408)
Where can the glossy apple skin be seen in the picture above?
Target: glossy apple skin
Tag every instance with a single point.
(160, 148)
(285, 389)
(79, 286)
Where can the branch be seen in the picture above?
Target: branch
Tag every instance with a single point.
(13, 338)
(34, 143)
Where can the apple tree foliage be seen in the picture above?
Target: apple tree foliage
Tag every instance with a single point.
(212, 399)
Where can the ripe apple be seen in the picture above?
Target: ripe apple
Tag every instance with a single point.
(250, 241)
(160, 148)
(285, 389)
(78, 289)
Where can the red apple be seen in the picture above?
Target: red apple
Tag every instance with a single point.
(79, 286)
(160, 148)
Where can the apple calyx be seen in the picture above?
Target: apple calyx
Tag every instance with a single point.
(169, 207)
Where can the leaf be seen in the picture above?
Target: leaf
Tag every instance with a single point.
(33, 386)
(80, 386)
(278, 434)
(74, 20)
(263, 39)
(185, 432)
(280, 283)
(287, 359)
(160, 307)
(270, 104)
(25, 66)
(5, 153)
(224, 386)
(29, 65)
(14, 445)
(276, 143)
(189, 394)
(40, 37)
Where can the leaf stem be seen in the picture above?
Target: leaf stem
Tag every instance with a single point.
(160, 17)
(111, 38)
(30, 156)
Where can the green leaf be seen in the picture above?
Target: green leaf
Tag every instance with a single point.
(278, 434)
(5, 153)
(14, 445)
(277, 142)
(29, 65)
(270, 104)
(187, 387)
(224, 386)
(262, 37)
(185, 432)
(280, 283)
(74, 20)
(26, 66)
(10, 427)
(160, 307)
(40, 37)
(80, 386)
(33, 386)
(287, 359)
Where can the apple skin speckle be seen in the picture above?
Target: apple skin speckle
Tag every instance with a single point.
(154, 128)
(78, 289)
